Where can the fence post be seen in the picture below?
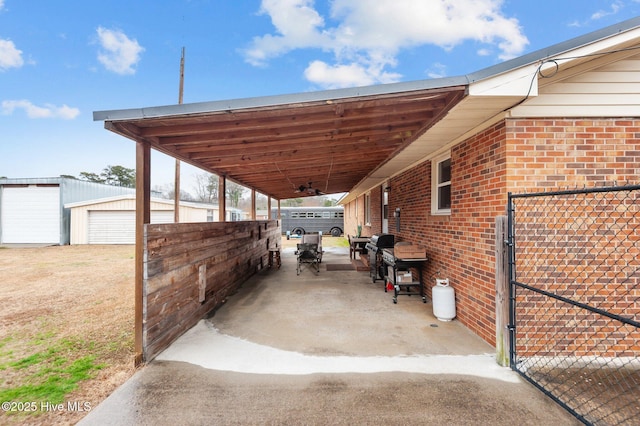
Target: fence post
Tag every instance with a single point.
(502, 293)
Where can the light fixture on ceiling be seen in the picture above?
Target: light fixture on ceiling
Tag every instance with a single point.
(309, 189)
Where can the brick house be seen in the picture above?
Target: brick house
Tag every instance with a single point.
(578, 126)
(443, 153)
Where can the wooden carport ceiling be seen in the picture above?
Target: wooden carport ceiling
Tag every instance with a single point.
(274, 149)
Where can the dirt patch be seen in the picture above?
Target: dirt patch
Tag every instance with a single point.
(80, 294)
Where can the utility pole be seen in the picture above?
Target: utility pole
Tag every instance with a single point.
(176, 201)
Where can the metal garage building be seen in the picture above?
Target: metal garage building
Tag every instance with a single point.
(112, 220)
(32, 209)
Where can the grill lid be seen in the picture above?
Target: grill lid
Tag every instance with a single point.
(382, 240)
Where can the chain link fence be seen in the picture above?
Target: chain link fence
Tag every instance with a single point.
(575, 299)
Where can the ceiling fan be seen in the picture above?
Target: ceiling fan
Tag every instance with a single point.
(309, 189)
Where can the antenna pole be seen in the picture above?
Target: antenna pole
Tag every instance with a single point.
(176, 201)
(181, 90)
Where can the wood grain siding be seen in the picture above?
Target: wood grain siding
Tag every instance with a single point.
(184, 261)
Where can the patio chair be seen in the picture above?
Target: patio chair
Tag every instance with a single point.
(314, 238)
(308, 255)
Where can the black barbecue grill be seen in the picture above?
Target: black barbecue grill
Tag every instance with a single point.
(374, 248)
(395, 266)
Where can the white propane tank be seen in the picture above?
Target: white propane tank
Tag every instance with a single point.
(444, 300)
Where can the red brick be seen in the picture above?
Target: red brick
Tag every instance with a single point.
(515, 155)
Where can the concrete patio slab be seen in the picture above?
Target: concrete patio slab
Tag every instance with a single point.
(326, 348)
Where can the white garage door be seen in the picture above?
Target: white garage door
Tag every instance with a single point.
(118, 226)
(31, 215)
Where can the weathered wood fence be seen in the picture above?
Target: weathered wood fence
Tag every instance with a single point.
(191, 268)
(502, 292)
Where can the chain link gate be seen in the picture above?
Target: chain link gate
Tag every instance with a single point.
(574, 267)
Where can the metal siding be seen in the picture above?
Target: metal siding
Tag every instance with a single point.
(31, 215)
(80, 214)
(118, 226)
(78, 190)
(190, 214)
(71, 190)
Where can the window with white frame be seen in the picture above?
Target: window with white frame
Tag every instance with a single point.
(441, 184)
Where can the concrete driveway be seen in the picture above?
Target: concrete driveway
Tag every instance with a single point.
(326, 348)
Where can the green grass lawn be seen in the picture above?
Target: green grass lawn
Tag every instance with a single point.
(327, 241)
(51, 371)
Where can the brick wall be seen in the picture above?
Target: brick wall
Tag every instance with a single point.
(376, 212)
(460, 246)
(354, 215)
(515, 155)
(575, 246)
(570, 153)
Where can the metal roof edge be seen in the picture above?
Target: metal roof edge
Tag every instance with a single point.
(54, 179)
(102, 200)
(32, 181)
(553, 50)
(373, 90)
(276, 100)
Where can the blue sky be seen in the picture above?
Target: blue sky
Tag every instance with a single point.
(60, 61)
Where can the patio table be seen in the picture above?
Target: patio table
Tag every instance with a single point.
(357, 244)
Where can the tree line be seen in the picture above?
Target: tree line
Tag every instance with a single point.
(110, 175)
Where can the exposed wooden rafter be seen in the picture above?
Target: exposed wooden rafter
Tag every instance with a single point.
(275, 149)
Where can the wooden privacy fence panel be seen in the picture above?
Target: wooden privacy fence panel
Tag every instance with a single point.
(191, 268)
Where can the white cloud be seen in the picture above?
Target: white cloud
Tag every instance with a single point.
(118, 52)
(437, 70)
(1, 4)
(615, 8)
(349, 75)
(367, 37)
(10, 56)
(33, 111)
(298, 26)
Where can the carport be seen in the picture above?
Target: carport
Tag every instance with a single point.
(335, 141)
